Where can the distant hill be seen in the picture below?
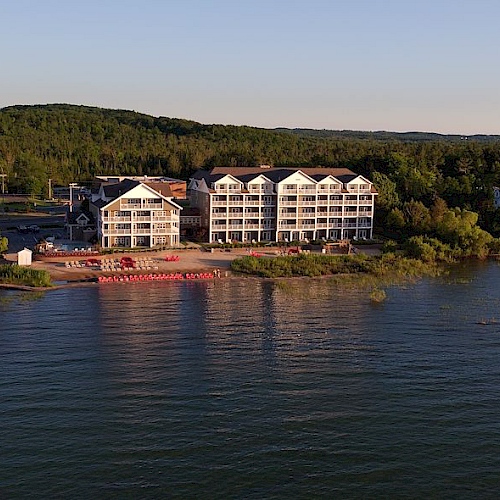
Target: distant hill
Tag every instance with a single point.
(68, 142)
(388, 136)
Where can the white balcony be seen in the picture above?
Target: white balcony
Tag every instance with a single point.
(172, 218)
(142, 231)
(307, 203)
(219, 215)
(351, 202)
(288, 203)
(307, 215)
(229, 191)
(116, 231)
(116, 219)
(128, 206)
(254, 203)
(251, 226)
(321, 225)
(288, 215)
(219, 227)
(235, 226)
(235, 202)
(347, 213)
(365, 213)
(142, 218)
(219, 203)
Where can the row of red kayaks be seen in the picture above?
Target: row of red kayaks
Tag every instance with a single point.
(154, 277)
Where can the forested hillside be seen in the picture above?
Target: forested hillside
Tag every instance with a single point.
(73, 143)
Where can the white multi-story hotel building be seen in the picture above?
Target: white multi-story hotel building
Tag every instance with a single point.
(283, 204)
(131, 213)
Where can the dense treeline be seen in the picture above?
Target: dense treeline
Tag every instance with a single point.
(74, 143)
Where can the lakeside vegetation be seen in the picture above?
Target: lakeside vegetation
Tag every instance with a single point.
(17, 275)
(312, 265)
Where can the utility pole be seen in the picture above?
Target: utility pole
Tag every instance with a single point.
(3, 176)
(50, 189)
(71, 186)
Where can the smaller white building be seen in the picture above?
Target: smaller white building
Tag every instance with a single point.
(24, 257)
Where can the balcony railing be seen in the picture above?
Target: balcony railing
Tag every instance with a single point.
(307, 203)
(172, 218)
(116, 231)
(235, 202)
(288, 203)
(219, 203)
(306, 215)
(351, 202)
(116, 219)
(235, 226)
(251, 226)
(321, 225)
(288, 215)
(129, 205)
(219, 227)
(252, 202)
(230, 191)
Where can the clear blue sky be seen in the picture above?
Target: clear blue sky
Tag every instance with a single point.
(356, 64)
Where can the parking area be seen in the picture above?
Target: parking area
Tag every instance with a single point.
(18, 240)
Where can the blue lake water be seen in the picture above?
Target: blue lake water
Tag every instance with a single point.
(248, 390)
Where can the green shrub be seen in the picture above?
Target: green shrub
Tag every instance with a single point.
(17, 275)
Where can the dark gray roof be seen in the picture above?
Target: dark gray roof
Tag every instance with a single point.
(100, 203)
(73, 216)
(113, 190)
(246, 174)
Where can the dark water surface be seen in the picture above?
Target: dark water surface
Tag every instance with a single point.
(251, 391)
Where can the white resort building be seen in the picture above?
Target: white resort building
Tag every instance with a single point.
(282, 204)
(131, 213)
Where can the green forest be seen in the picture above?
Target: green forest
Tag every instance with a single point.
(419, 175)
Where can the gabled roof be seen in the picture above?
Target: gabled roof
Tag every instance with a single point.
(127, 185)
(74, 216)
(113, 190)
(275, 175)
